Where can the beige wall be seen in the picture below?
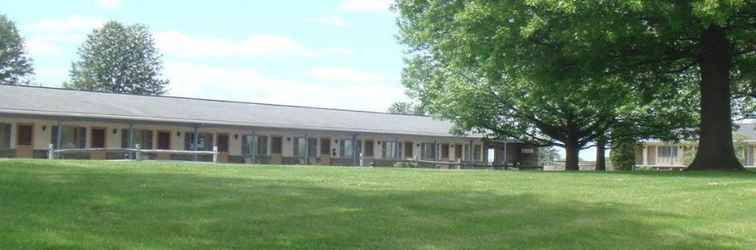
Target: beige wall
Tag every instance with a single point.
(42, 138)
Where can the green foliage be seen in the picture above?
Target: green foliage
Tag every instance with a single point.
(406, 108)
(531, 70)
(15, 65)
(119, 59)
(548, 154)
(622, 155)
(404, 164)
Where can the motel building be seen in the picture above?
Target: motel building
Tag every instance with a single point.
(665, 155)
(35, 121)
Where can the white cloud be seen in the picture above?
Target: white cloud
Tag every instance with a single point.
(182, 45)
(48, 36)
(69, 24)
(365, 5)
(335, 21)
(38, 46)
(246, 84)
(341, 75)
(109, 4)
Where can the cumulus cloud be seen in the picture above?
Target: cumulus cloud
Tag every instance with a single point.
(47, 36)
(342, 75)
(334, 21)
(64, 25)
(182, 45)
(365, 5)
(109, 4)
(247, 84)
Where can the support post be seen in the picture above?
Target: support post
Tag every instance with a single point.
(362, 160)
(215, 154)
(195, 140)
(307, 149)
(131, 137)
(252, 146)
(59, 136)
(51, 152)
(138, 154)
(355, 152)
(506, 163)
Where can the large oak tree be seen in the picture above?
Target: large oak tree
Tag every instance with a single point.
(655, 45)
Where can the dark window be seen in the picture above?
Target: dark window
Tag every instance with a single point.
(141, 137)
(346, 149)
(24, 135)
(325, 146)
(204, 142)
(164, 140)
(408, 149)
(458, 151)
(369, 151)
(125, 138)
(477, 153)
(276, 145)
(299, 146)
(429, 151)
(223, 143)
(262, 145)
(5, 136)
(390, 150)
(445, 151)
(312, 147)
(73, 137)
(98, 138)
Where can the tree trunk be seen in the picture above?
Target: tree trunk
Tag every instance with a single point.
(715, 148)
(600, 155)
(572, 153)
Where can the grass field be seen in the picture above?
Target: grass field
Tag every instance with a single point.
(128, 205)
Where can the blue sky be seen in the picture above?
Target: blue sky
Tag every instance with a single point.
(338, 53)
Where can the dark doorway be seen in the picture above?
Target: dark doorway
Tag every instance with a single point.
(222, 143)
(98, 138)
(164, 140)
(24, 135)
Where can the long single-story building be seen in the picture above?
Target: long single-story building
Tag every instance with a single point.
(657, 154)
(32, 119)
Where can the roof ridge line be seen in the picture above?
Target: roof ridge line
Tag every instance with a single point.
(216, 100)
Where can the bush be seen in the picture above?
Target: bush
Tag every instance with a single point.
(622, 155)
(404, 164)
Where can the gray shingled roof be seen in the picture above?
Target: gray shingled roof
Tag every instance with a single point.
(69, 103)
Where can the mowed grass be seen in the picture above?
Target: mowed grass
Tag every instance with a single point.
(148, 205)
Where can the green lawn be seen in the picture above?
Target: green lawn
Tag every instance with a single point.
(127, 205)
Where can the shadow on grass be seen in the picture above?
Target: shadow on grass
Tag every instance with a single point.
(86, 208)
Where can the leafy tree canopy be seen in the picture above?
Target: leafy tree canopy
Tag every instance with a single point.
(407, 108)
(658, 49)
(119, 59)
(15, 65)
